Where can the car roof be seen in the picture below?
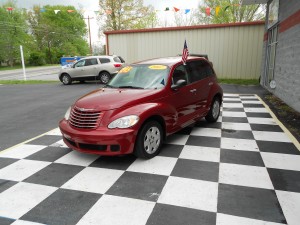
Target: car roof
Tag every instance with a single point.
(99, 56)
(168, 61)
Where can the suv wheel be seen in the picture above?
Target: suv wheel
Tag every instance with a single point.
(104, 77)
(66, 79)
(149, 140)
(214, 111)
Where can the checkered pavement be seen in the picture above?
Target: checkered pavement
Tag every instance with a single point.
(243, 169)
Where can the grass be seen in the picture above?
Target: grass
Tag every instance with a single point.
(9, 82)
(239, 81)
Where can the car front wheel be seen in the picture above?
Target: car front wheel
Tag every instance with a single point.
(66, 79)
(214, 111)
(104, 77)
(149, 140)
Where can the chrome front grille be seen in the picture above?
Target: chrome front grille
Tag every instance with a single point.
(84, 118)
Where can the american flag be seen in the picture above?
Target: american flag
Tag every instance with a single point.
(185, 53)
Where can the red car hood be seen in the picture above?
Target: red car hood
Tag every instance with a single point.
(110, 98)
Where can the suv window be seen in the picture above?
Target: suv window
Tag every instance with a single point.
(80, 63)
(89, 62)
(117, 59)
(104, 60)
(199, 70)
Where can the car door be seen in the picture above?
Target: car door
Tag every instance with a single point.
(182, 98)
(201, 84)
(79, 69)
(91, 67)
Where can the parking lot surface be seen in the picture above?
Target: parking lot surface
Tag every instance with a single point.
(244, 169)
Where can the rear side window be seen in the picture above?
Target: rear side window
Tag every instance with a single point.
(199, 70)
(89, 62)
(116, 59)
(104, 60)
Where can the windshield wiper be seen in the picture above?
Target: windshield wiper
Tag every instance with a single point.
(133, 87)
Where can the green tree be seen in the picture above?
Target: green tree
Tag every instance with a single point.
(126, 14)
(58, 34)
(230, 11)
(13, 33)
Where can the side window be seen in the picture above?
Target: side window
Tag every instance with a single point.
(199, 70)
(80, 63)
(94, 61)
(104, 60)
(88, 62)
(179, 74)
(117, 59)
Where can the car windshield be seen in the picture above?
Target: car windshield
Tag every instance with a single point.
(141, 77)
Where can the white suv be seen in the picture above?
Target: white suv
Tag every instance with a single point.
(101, 68)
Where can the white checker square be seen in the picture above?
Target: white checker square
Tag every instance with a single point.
(77, 158)
(157, 165)
(200, 153)
(208, 132)
(256, 110)
(22, 169)
(232, 105)
(233, 114)
(236, 126)
(115, 210)
(281, 161)
(177, 139)
(231, 99)
(224, 219)
(239, 144)
(242, 175)
(96, 180)
(251, 102)
(55, 131)
(258, 120)
(271, 136)
(195, 194)
(22, 197)
(231, 95)
(21, 151)
(290, 204)
(248, 97)
(60, 144)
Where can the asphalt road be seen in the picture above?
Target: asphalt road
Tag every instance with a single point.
(39, 73)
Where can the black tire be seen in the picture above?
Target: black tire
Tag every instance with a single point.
(104, 77)
(149, 140)
(66, 79)
(214, 112)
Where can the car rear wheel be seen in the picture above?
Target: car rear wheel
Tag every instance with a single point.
(104, 77)
(214, 111)
(66, 79)
(149, 140)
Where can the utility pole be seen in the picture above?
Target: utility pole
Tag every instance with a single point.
(88, 18)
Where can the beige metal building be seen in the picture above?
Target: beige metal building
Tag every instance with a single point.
(235, 49)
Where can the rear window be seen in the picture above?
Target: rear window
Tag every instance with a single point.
(104, 60)
(117, 59)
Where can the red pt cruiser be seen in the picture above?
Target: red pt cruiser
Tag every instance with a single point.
(142, 104)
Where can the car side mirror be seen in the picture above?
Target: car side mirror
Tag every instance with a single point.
(180, 83)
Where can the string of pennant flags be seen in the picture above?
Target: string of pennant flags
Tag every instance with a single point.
(208, 10)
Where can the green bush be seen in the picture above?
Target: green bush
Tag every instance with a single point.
(37, 59)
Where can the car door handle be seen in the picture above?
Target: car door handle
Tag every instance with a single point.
(210, 83)
(193, 90)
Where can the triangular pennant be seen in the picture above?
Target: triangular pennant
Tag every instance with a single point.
(70, 10)
(186, 11)
(56, 11)
(176, 9)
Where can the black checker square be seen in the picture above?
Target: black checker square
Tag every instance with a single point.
(55, 174)
(6, 184)
(114, 162)
(194, 169)
(278, 147)
(168, 214)
(6, 161)
(139, 186)
(246, 105)
(62, 207)
(239, 134)
(285, 180)
(170, 150)
(257, 114)
(45, 140)
(6, 221)
(49, 154)
(255, 203)
(214, 142)
(265, 127)
(205, 124)
(234, 119)
(233, 109)
(241, 157)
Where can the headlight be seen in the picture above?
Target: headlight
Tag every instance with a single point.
(124, 122)
(67, 115)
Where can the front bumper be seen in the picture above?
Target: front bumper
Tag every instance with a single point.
(101, 141)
